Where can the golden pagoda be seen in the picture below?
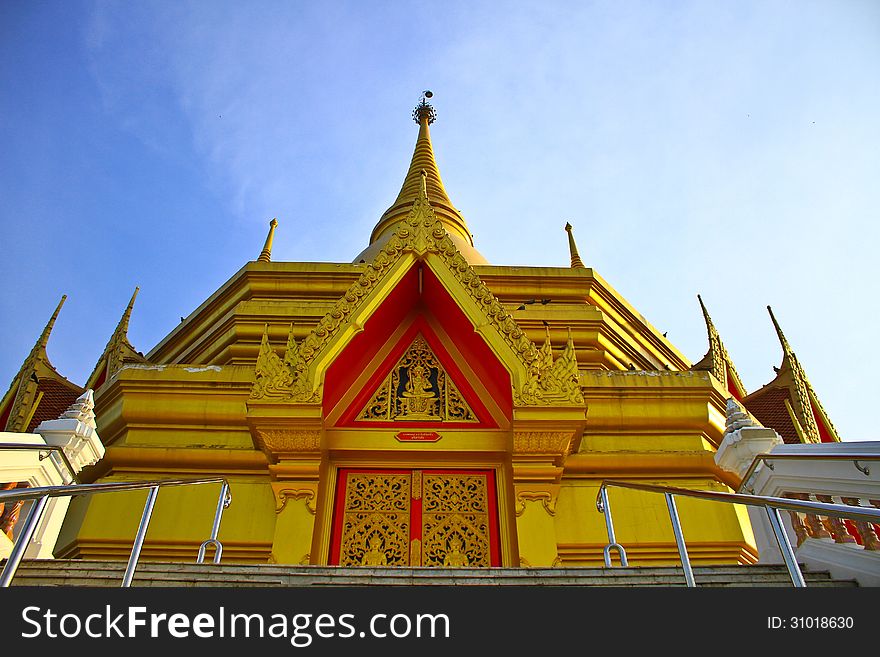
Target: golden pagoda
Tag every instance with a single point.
(418, 406)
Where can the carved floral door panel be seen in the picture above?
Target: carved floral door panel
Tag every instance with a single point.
(435, 518)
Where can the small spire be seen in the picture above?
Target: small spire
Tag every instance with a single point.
(576, 262)
(266, 253)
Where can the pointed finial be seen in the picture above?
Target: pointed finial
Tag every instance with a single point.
(546, 351)
(424, 111)
(705, 312)
(266, 253)
(786, 348)
(44, 336)
(576, 262)
(126, 316)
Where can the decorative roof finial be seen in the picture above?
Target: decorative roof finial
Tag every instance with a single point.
(126, 315)
(424, 111)
(576, 262)
(266, 253)
(786, 348)
(43, 340)
(717, 361)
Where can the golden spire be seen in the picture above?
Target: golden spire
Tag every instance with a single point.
(118, 350)
(576, 262)
(266, 253)
(423, 160)
(717, 361)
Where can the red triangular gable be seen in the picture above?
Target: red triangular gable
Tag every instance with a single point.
(417, 385)
(418, 305)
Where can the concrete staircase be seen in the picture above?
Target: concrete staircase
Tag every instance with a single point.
(150, 573)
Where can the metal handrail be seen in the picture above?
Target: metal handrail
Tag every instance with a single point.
(43, 448)
(771, 505)
(855, 458)
(42, 494)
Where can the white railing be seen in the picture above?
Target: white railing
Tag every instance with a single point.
(838, 473)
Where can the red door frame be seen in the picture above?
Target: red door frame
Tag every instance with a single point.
(415, 507)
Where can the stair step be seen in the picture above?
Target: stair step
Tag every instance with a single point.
(63, 572)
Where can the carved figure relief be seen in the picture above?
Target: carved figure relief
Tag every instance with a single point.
(418, 389)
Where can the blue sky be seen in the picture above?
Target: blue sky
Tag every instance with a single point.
(726, 148)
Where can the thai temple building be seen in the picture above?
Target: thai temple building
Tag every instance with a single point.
(417, 406)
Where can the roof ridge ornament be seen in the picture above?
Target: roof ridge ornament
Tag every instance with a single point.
(717, 361)
(804, 395)
(117, 351)
(23, 393)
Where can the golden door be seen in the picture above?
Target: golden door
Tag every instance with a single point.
(436, 518)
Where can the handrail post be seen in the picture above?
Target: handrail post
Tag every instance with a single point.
(794, 571)
(139, 539)
(24, 539)
(679, 540)
(605, 508)
(223, 502)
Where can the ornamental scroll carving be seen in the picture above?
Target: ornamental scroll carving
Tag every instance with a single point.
(549, 381)
(301, 494)
(542, 442)
(418, 389)
(288, 440)
(544, 497)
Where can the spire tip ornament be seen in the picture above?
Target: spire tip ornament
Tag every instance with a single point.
(424, 110)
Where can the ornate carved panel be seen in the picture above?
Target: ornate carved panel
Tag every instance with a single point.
(455, 521)
(418, 389)
(376, 520)
(435, 518)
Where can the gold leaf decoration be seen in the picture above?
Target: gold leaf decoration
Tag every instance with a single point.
(418, 389)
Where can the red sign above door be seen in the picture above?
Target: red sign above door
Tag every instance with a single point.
(418, 436)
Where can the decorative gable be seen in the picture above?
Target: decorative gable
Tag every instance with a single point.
(421, 237)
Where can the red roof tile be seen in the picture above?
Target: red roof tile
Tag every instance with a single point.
(768, 407)
(57, 397)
